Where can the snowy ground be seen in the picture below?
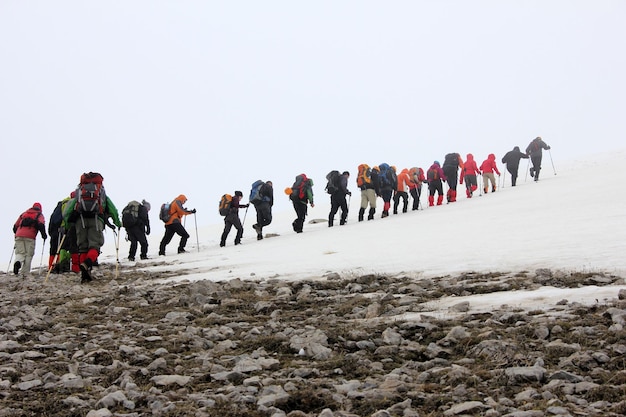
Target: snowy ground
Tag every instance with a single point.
(573, 220)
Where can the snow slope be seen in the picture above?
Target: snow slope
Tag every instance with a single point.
(573, 220)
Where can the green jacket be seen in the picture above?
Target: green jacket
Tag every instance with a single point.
(70, 214)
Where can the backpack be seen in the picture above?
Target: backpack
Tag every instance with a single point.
(90, 194)
(300, 187)
(57, 215)
(388, 177)
(333, 182)
(432, 174)
(364, 176)
(414, 174)
(164, 212)
(30, 219)
(130, 214)
(255, 192)
(225, 201)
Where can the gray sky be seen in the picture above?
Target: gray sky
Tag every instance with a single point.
(205, 97)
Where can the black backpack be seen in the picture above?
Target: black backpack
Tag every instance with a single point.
(332, 186)
(130, 214)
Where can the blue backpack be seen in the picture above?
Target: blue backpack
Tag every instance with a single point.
(255, 192)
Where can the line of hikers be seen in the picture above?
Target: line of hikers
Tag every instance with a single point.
(77, 223)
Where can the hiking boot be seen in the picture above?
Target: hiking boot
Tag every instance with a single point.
(182, 250)
(256, 228)
(493, 189)
(161, 253)
(143, 257)
(532, 172)
(485, 189)
(342, 222)
(85, 274)
(259, 237)
(16, 267)
(131, 258)
(222, 244)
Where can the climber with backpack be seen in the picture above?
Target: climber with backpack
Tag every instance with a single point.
(534, 150)
(416, 176)
(174, 212)
(232, 219)
(403, 183)
(368, 182)
(388, 184)
(511, 159)
(136, 221)
(26, 227)
(469, 174)
(262, 198)
(90, 210)
(58, 240)
(337, 187)
(301, 195)
(451, 165)
(435, 176)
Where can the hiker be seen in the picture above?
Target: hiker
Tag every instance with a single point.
(368, 182)
(136, 221)
(232, 219)
(416, 176)
(469, 174)
(301, 194)
(388, 184)
(173, 225)
(403, 183)
(26, 227)
(534, 150)
(488, 167)
(338, 200)
(263, 206)
(435, 176)
(451, 165)
(511, 159)
(58, 240)
(90, 210)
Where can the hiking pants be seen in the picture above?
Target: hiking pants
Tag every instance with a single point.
(386, 194)
(137, 234)
(301, 209)
(229, 221)
(338, 200)
(396, 201)
(513, 171)
(416, 193)
(89, 233)
(536, 160)
(263, 213)
(170, 230)
(24, 252)
(487, 177)
(368, 196)
(435, 186)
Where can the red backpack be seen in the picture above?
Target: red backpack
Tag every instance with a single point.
(90, 194)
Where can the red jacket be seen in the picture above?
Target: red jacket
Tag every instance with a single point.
(440, 173)
(470, 167)
(489, 165)
(35, 216)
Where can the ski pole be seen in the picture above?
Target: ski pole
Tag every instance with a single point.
(41, 260)
(197, 240)
(551, 161)
(10, 260)
(56, 258)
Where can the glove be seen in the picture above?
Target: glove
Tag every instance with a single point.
(148, 230)
(548, 147)
(111, 226)
(193, 211)
(350, 193)
(44, 236)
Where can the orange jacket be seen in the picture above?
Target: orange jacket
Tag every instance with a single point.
(404, 181)
(177, 211)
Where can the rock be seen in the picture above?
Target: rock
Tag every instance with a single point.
(521, 374)
(464, 408)
(165, 380)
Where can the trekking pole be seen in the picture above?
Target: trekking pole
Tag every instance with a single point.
(503, 178)
(117, 253)
(10, 260)
(197, 240)
(244, 215)
(480, 186)
(41, 260)
(550, 153)
(56, 258)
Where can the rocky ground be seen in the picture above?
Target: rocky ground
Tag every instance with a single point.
(329, 346)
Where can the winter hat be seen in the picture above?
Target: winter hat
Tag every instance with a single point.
(145, 204)
(238, 193)
(437, 163)
(346, 173)
(37, 206)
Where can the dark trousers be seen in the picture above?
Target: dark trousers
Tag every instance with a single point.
(536, 160)
(263, 214)
(435, 186)
(137, 235)
(396, 201)
(338, 200)
(416, 193)
(170, 230)
(513, 171)
(301, 209)
(230, 221)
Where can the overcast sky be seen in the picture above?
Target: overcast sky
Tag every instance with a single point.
(205, 97)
